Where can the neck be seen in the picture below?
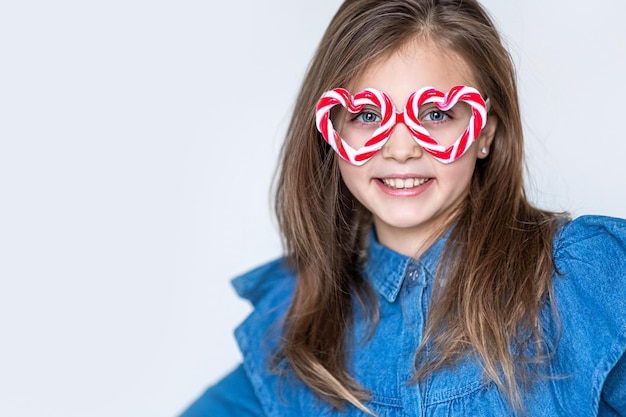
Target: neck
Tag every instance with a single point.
(408, 241)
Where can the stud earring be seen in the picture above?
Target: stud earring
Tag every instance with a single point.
(483, 151)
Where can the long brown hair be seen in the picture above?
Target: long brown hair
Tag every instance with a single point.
(492, 299)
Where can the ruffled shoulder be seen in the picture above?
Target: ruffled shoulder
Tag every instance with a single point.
(270, 289)
(595, 238)
(590, 255)
(261, 282)
(590, 294)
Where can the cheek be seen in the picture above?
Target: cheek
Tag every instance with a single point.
(460, 172)
(349, 173)
(354, 177)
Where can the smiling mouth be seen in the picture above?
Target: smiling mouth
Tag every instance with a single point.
(404, 183)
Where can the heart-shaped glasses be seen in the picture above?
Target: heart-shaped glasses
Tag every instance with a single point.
(461, 112)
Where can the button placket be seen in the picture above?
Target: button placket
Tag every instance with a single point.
(413, 292)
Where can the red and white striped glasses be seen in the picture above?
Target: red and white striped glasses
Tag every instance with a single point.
(444, 124)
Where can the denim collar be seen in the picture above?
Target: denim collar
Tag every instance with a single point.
(386, 269)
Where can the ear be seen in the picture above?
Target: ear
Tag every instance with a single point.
(484, 140)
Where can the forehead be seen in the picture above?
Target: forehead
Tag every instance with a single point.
(418, 63)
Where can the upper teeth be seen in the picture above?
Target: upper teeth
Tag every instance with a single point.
(404, 183)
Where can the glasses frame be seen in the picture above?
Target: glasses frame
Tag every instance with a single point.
(409, 117)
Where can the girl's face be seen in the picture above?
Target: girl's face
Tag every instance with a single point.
(409, 193)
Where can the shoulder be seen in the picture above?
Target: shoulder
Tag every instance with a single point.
(270, 289)
(273, 277)
(594, 238)
(589, 291)
(590, 257)
(590, 253)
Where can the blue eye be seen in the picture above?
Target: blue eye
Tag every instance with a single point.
(368, 117)
(435, 116)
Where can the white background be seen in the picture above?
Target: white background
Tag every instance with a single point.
(137, 147)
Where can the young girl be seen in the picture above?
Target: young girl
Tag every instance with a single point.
(419, 280)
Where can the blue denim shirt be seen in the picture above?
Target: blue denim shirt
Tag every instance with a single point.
(588, 369)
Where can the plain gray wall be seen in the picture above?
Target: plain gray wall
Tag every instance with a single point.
(137, 146)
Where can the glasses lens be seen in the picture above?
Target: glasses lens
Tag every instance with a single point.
(445, 126)
(357, 128)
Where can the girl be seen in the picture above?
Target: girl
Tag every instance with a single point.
(419, 280)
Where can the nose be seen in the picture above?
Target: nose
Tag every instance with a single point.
(401, 146)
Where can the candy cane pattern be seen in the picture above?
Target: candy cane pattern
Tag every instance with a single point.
(354, 105)
(410, 117)
(445, 102)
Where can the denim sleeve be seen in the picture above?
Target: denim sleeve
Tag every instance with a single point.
(614, 390)
(233, 396)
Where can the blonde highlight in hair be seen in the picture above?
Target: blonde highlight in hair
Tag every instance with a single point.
(491, 300)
